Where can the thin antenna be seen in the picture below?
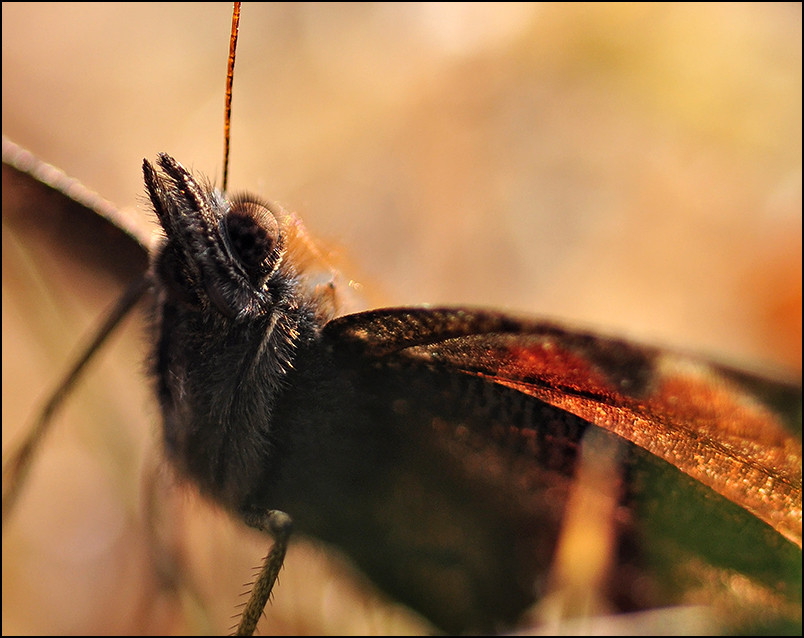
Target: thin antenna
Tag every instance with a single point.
(229, 80)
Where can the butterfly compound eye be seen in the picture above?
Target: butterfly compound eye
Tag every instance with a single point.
(254, 237)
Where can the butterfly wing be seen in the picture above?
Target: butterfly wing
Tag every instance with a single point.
(714, 467)
(47, 208)
(707, 420)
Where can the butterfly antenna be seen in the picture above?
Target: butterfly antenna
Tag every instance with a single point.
(227, 118)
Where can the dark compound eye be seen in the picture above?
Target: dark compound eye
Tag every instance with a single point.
(254, 237)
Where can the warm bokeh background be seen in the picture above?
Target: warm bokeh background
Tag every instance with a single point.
(630, 168)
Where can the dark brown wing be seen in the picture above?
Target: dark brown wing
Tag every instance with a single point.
(714, 424)
(58, 212)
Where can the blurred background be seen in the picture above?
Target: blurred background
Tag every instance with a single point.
(629, 168)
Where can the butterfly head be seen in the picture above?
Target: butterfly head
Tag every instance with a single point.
(220, 253)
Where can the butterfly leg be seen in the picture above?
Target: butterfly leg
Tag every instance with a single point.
(280, 526)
